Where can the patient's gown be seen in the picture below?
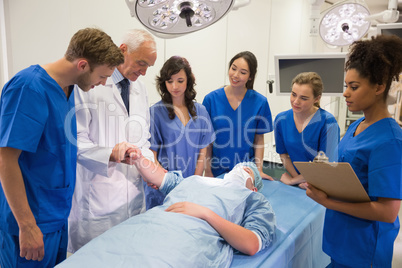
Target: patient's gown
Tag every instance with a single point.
(166, 239)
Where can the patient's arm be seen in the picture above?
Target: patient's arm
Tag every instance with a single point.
(150, 172)
(237, 236)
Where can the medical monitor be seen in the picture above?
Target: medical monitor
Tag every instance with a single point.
(330, 66)
(389, 29)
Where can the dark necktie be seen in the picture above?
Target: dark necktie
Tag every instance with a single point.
(125, 93)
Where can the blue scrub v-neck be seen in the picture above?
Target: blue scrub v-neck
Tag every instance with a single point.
(230, 106)
(236, 129)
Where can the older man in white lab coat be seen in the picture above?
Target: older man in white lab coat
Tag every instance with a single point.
(109, 191)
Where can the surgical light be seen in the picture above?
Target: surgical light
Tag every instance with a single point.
(171, 18)
(350, 20)
(344, 23)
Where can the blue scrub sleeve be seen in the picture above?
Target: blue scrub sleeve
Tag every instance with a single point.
(278, 132)
(207, 104)
(264, 119)
(385, 170)
(24, 115)
(155, 125)
(259, 217)
(206, 126)
(329, 140)
(171, 180)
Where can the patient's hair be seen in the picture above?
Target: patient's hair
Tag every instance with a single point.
(379, 60)
(96, 47)
(252, 66)
(171, 67)
(314, 80)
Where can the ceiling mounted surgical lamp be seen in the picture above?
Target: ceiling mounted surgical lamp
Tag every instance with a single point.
(344, 23)
(172, 18)
(348, 21)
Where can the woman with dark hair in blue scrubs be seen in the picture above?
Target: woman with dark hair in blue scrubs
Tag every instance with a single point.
(181, 128)
(240, 116)
(363, 234)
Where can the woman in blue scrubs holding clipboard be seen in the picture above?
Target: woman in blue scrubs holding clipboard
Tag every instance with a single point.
(363, 234)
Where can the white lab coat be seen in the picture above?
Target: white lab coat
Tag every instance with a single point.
(107, 193)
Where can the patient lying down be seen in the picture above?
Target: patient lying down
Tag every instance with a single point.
(200, 222)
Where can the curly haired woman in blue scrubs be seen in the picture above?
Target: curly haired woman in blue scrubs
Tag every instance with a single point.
(306, 129)
(181, 128)
(240, 116)
(363, 234)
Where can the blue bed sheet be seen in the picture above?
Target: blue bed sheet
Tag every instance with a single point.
(297, 243)
(298, 234)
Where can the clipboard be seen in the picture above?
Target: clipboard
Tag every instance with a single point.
(337, 180)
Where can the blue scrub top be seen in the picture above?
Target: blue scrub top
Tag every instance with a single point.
(37, 118)
(236, 129)
(376, 157)
(321, 134)
(178, 146)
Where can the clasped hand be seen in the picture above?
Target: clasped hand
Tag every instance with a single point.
(125, 152)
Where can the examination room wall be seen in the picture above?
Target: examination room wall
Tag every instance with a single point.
(38, 32)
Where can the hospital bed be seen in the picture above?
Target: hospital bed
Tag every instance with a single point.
(298, 234)
(297, 243)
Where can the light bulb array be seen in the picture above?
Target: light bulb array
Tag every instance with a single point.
(344, 24)
(180, 16)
